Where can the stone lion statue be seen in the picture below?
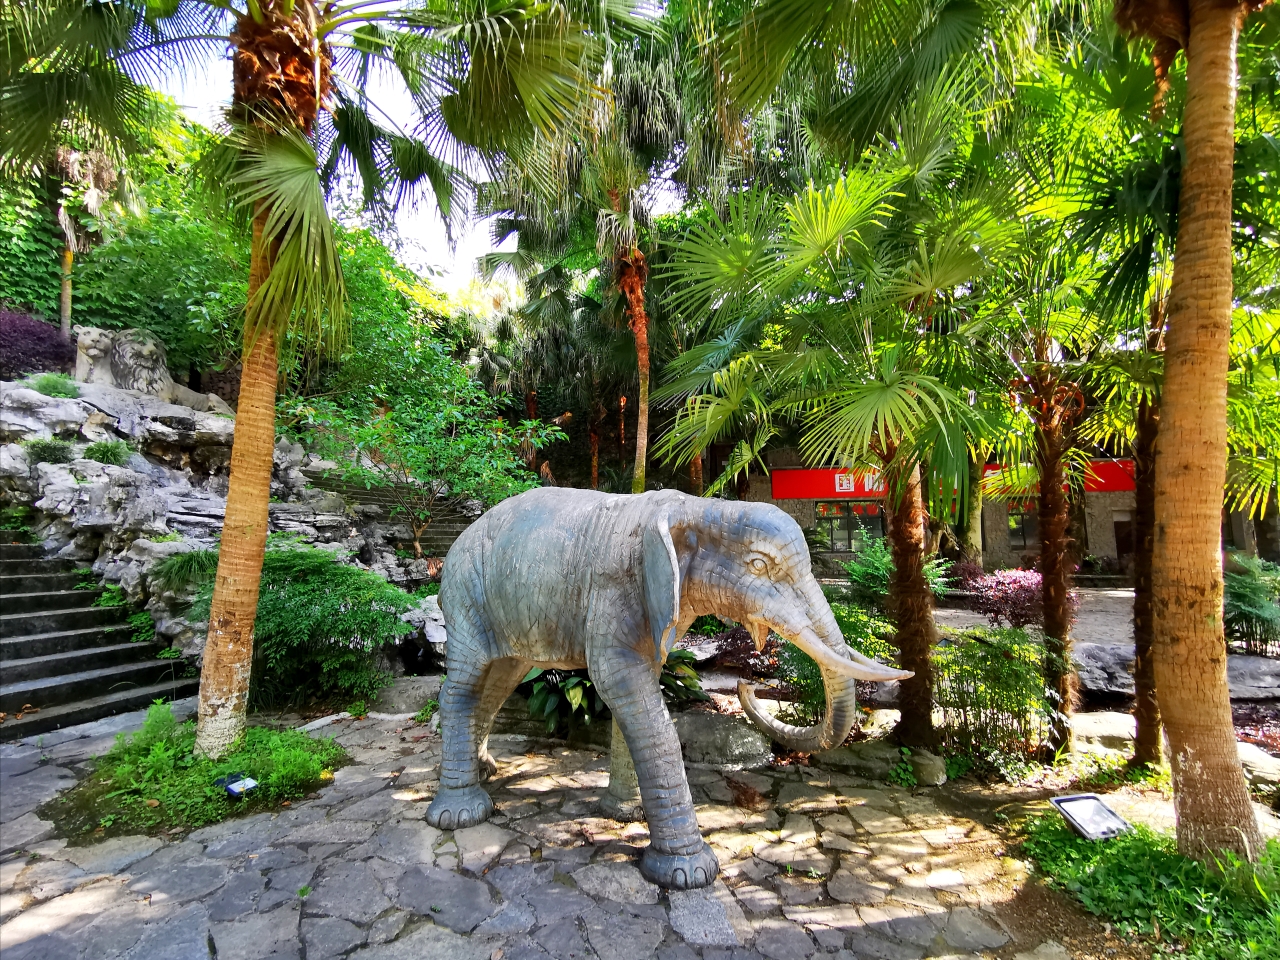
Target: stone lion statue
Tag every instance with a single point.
(136, 360)
(93, 355)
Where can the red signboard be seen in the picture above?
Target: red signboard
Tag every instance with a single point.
(825, 484)
(796, 483)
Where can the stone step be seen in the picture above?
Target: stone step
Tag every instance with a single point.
(21, 551)
(95, 708)
(37, 582)
(52, 691)
(52, 621)
(48, 600)
(35, 565)
(62, 641)
(79, 661)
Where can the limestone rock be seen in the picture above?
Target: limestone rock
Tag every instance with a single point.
(929, 768)
(26, 414)
(866, 758)
(722, 742)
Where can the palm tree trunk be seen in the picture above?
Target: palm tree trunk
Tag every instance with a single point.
(1146, 708)
(228, 651)
(911, 608)
(632, 276)
(695, 474)
(971, 540)
(64, 295)
(1055, 573)
(593, 437)
(1211, 800)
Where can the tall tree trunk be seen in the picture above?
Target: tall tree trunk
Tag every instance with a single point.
(695, 475)
(971, 539)
(64, 295)
(531, 412)
(622, 431)
(593, 437)
(1211, 800)
(228, 651)
(1146, 708)
(1055, 573)
(632, 276)
(911, 608)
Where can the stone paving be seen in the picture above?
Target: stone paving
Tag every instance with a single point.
(814, 863)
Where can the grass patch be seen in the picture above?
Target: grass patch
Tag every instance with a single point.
(54, 385)
(151, 780)
(1141, 884)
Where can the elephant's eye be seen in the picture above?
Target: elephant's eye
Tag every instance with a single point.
(757, 565)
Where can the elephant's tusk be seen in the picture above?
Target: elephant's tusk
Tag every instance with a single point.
(855, 665)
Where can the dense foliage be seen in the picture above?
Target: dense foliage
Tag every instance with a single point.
(28, 345)
(151, 779)
(990, 688)
(1251, 607)
(320, 627)
(52, 450)
(872, 568)
(1141, 884)
(114, 453)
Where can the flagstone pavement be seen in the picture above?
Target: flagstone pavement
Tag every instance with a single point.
(814, 864)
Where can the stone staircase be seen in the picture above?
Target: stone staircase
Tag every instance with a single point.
(69, 660)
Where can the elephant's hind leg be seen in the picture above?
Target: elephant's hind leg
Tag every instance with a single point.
(504, 676)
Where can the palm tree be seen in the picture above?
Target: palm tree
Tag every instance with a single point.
(71, 116)
(1210, 795)
(486, 75)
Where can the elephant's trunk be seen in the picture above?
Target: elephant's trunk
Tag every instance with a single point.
(840, 668)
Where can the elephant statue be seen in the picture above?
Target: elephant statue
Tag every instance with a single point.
(566, 578)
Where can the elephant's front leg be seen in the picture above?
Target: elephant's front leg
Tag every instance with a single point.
(461, 801)
(677, 856)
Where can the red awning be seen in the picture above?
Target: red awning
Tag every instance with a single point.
(797, 483)
(829, 483)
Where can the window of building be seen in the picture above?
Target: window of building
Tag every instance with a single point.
(1023, 528)
(848, 524)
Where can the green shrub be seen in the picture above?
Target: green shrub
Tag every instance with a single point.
(54, 385)
(1141, 884)
(708, 625)
(114, 453)
(112, 596)
(863, 630)
(989, 684)
(566, 699)
(170, 537)
(319, 627)
(872, 568)
(52, 450)
(427, 712)
(562, 699)
(157, 764)
(1251, 605)
(144, 628)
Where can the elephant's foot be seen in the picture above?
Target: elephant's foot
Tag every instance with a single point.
(624, 810)
(680, 871)
(458, 807)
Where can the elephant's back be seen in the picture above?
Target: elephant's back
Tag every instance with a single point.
(526, 560)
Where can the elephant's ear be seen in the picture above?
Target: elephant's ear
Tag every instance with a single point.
(661, 585)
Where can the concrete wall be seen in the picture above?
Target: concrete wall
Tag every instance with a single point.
(1099, 520)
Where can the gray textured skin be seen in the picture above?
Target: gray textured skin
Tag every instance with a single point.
(569, 578)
